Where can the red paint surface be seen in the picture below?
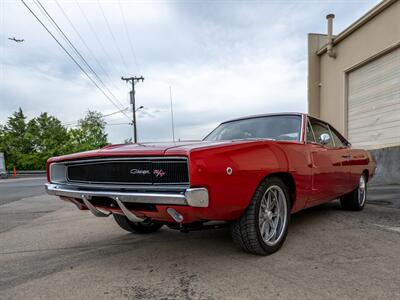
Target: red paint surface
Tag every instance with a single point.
(320, 174)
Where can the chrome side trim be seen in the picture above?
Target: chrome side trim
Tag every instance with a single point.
(303, 130)
(88, 163)
(58, 178)
(95, 162)
(93, 209)
(129, 184)
(144, 158)
(333, 140)
(312, 130)
(197, 197)
(112, 187)
(165, 159)
(132, 197)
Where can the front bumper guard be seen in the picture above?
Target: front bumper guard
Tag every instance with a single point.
(194, 197)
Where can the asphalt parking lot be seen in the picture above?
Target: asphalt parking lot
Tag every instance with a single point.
(50, 250)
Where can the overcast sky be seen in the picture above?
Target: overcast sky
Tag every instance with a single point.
(223, 59)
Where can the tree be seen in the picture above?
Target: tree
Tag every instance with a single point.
(28, 145)
(49, 138)
(90, 134)
(14, 140)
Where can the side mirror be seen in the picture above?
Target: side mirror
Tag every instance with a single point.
(324, 138)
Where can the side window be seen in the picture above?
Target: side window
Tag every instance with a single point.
(310, 135)
(320, 128)
(339, 142)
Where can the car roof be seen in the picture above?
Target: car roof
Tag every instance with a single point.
(266, 115)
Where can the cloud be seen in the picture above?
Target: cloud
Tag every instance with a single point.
(211, 94)
(223, 59)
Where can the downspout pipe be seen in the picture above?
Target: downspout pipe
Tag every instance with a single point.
(329, 48)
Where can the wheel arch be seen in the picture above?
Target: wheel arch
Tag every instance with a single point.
(288, 179)
(366, 173)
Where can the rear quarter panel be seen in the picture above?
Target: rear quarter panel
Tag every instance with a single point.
(360, 161)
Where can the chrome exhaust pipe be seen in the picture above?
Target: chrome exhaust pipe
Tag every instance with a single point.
(175, 215)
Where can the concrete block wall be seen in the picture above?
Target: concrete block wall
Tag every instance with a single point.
(388, 165)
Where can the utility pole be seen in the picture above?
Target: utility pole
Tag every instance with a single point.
(133, 81)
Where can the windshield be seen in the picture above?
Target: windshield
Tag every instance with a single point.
(282, 128)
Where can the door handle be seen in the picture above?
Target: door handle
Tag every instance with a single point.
(310, 160)
(346, 156)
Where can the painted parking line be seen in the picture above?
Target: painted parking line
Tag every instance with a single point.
(390, 228)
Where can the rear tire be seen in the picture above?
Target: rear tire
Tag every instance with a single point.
(137, 227)
(355, 200)
(262, 229)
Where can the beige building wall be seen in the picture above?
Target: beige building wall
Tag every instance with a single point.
(327, 75)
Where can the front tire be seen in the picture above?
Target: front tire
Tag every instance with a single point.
(137, 227)
(262, 229)
(355, 201)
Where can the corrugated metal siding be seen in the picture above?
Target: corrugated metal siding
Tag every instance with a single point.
(374, 103)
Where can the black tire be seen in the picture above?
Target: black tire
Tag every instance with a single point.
(246, 232)
(355, 201)
(139, 227)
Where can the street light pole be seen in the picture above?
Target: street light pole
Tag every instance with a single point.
(133, 81)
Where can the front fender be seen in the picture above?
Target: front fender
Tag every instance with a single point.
(231, 192)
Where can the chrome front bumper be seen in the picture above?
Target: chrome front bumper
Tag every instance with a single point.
(196, 197)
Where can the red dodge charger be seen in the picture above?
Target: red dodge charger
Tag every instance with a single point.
(250, 173)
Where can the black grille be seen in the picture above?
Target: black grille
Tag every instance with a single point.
(130, 172)
(166, 172)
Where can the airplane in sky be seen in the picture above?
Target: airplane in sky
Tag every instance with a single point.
(16, 40)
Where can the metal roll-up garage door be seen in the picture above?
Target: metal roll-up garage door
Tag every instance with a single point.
(374, 103)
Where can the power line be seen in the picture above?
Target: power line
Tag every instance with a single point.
(114, 124)
(93, 31)
(55, 25)
(103, 116)
(84, 43)
(128, 35)
(49, 20)
(69, 55)
(112, 34)
(107, 124)
(116, 112)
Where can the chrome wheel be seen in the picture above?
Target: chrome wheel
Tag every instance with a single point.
(362, 192)
(272, 216)
(355, 200)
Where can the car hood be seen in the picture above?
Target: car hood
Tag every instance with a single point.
(149, 149)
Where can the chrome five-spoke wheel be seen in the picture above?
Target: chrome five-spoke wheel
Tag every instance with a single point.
(272, 216)
(362, 191)
(262, 229)
(356, 199)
